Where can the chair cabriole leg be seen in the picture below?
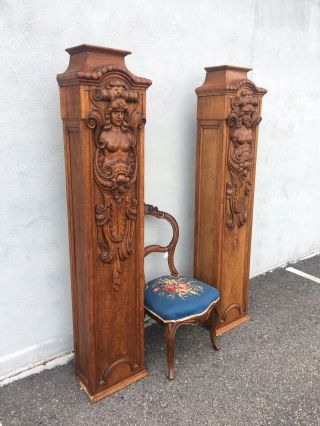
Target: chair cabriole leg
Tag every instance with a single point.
(170, 335)
(215, 319)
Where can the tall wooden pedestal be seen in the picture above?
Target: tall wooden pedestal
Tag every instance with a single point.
(229, 108)
(103, 113)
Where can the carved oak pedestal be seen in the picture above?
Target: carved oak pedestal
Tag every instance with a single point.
(229, 108)
(103, 113)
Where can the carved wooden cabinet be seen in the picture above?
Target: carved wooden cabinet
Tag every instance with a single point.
(228, 115)
(103, 112)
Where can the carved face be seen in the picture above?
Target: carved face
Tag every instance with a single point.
(117, 112)
(117, 116)
(247, 112)
(117, 87)
(119, 90)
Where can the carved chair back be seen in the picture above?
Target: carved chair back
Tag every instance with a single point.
(170, 248)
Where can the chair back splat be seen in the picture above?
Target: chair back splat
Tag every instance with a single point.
(170, 248)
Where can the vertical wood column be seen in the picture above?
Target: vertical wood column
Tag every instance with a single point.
(103, 112)
(229, 107)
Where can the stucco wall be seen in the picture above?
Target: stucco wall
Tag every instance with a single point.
(171, 41)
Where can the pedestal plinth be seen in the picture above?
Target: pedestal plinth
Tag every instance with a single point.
(103, 113)
(228, 114)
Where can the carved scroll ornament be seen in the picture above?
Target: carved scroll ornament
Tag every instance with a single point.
(116, 120)
(242, 121)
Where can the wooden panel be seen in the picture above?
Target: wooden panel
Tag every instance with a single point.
(74, 161)
(208, 209)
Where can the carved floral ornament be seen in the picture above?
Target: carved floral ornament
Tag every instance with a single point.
(116, 119)
(243, 119)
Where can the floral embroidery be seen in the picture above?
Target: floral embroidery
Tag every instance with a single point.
(173, 287)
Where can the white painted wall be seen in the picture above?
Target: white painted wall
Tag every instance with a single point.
(171, 42)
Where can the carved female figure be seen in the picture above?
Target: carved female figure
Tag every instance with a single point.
(115, 171)
(117, 158)
(243, 119)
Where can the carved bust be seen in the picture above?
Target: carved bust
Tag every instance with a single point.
(117, 160)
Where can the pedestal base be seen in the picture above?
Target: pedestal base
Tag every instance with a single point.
(96, 397)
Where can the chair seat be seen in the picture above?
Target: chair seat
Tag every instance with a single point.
(173, 298)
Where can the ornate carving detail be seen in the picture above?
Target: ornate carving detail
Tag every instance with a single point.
(236, 86)
(243, 120)
(151, 210)
(100, 72)
(115, 119)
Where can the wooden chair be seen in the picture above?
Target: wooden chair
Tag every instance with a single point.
(175, 300)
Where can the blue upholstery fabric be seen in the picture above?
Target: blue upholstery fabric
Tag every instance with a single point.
(175, 298)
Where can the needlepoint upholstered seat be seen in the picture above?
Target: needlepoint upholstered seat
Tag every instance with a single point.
(174, 300)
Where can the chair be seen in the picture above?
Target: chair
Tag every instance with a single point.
(175, 300)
